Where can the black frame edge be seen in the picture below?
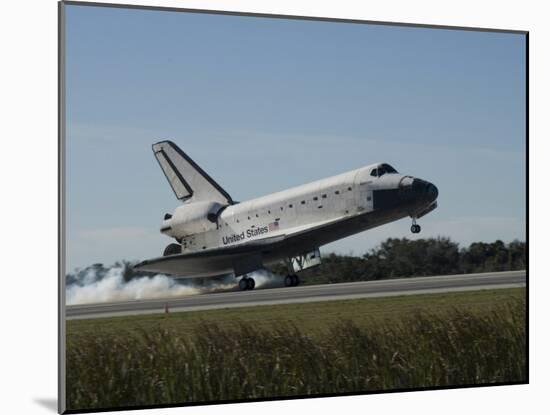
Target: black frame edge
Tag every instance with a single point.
(291, 17)
(291, 398)
(61, 328)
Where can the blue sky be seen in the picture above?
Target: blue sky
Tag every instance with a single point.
(266, 104)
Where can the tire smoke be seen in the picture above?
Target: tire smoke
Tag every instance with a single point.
(99, 285)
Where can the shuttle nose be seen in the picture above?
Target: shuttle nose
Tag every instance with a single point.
(425, 189)
(432, 191)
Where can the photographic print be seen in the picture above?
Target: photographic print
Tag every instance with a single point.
(267, 207)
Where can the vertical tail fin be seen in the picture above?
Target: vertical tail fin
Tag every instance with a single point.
(186, 178)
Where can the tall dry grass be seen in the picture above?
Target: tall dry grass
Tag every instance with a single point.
(210, 363)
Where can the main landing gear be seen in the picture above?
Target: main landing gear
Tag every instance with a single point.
(292, 280)
(414, 227)
(247, 283)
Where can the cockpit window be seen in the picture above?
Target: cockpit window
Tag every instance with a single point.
(388, 169)
(382, 169)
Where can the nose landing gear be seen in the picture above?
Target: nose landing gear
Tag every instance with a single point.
(414, 227)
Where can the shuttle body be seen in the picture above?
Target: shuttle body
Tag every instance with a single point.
(217, 236)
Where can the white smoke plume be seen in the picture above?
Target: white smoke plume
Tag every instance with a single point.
(93, 286)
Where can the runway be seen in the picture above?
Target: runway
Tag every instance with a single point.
(300, 294)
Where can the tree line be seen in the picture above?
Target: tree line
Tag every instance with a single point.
(393, 258)
(401, 258)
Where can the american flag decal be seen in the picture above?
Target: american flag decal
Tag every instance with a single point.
(273, 226)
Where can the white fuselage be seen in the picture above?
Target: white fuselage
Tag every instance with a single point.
(334, 199)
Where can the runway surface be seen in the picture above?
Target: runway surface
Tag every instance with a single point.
(308, 293)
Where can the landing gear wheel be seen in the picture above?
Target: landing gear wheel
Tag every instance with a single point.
(289, 280)
(292, 280)
(247, 283)
(415, 228)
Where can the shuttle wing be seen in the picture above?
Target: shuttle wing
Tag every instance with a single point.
(212, 262)
(245, 257)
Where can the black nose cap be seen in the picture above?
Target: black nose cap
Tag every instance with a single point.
(425, 189)
(432, 191)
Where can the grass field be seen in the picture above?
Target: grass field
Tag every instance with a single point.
(473, 337)
(314, 318)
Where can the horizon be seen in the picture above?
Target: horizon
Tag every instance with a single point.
(123, 261)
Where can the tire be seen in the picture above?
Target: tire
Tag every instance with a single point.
(288, 281)
(296, 280)
(172, 249)
(250, 283)
(243, 284)
(415, 228)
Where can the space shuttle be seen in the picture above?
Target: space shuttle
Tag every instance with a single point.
(215, 235)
